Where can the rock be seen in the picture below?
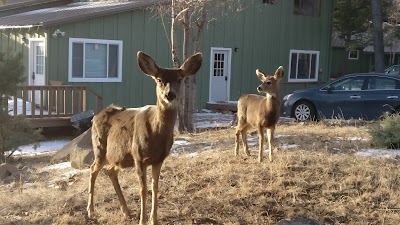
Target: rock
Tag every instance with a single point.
(9, 173)
(6, 170)
(299, 221)
(79, 151)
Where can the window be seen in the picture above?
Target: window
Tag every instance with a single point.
(381, 83)
(353, 55)
(349, 84)
(93, 60)
(269, 1)
(303, 66)
(307, 7)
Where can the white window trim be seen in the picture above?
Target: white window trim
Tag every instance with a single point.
(228, 70)
(297, 64)
(351, 58)
(30, 71)
(95, 41)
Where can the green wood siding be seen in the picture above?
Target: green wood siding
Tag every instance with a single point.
(17, 41)
(260, 37)
(341, 65)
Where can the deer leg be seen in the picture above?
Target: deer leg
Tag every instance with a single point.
(155, 172)
(260, 142)
(237, 141)
(113, 175)
(244, 140)
(94, 171)
(270, 134)
(141, 173)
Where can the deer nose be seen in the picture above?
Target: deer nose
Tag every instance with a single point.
(259, 88)
(170, 96)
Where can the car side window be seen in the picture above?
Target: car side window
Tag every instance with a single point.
(350, 84)
(382, 83)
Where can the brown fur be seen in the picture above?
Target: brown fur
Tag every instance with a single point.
(259, 112)
(139, 137)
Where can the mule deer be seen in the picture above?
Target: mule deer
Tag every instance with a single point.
(259, 112)
(139, 137)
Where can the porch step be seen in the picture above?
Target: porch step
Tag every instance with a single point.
(222, 106)
(50, 122)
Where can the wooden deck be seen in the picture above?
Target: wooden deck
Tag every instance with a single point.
(222, 106)
(52, 105)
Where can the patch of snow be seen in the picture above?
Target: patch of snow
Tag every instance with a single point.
(212, 120)
(352, 139)
(20, 107)
(287, 146)
(282, 135)
(41, 147)
(181, 141)
(72, 173)
(379, 153)
(59, 166)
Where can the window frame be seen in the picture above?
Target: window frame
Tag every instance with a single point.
(352, 58)
(85, 41)
(299, 12)
(311, 52)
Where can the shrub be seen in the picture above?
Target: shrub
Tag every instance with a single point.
(386, 133)
(16, 131)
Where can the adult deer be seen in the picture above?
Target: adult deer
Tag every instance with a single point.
(139, 137)
(260, 112)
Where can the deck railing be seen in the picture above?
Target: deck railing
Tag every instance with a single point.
(52, 101)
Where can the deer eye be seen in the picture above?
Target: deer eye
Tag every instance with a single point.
(268, 82)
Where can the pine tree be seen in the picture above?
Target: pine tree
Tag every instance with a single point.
(16, 131)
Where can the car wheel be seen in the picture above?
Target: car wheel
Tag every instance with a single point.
(303, 111)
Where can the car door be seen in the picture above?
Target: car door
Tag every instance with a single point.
(343, 98)
(381, 95)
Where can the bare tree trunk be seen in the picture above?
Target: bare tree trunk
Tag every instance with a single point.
(175, 62)
(192, 79)
(378, 35)
(188, 114)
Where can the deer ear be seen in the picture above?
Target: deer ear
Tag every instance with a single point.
(147, 64)
(279, 73)
(192, 64)
(260, 75)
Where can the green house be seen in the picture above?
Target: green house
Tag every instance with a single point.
(95, 44)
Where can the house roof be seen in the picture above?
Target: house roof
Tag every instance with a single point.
(387, 49)
(337, 41)
(72, 12)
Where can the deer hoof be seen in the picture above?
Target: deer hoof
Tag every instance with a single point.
(127, 214)
(90, 210)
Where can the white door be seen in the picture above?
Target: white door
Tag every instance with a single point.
(37, 65)
(220, 74)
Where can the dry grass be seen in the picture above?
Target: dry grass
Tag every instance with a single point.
(320, 178)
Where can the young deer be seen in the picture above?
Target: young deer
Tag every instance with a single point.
(259, 112)
(139, 137)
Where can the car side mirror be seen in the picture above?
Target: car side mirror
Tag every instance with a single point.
(329, 89)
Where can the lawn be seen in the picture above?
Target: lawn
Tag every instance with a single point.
(318, 171)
